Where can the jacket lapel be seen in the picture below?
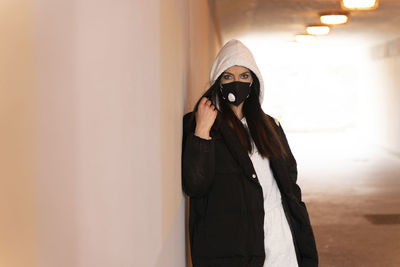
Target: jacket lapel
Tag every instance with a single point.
(235, 147)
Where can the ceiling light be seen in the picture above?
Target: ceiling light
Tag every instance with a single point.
(359, 4)
(318, 29)
(334, 17)
(303, 38)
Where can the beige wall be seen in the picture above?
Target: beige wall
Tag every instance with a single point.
(18, 125)
(93, 95)
(189, 41)
(204, 44)
(58, 141)
(380, 95)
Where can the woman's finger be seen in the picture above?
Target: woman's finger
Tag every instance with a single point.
(203, 100)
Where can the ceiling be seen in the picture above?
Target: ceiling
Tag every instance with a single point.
(280, 20)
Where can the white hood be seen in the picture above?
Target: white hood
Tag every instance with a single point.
(234, 53)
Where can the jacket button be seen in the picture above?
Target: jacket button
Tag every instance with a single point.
(254, 175)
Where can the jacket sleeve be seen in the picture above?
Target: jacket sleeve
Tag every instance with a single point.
(292, 164)
(198, 161)
(308, 246)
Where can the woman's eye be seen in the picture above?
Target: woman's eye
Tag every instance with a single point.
(227, 77)
(245, 76)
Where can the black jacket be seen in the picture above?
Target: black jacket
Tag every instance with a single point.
(226, 200)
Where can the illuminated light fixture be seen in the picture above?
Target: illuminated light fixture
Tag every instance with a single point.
(304, 38)
(334, 17)
(359, 4)
(318, 29)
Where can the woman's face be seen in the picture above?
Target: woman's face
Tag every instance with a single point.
(236, 74)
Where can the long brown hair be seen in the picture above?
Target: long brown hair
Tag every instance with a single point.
(261, 127)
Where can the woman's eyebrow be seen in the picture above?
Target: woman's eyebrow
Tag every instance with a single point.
(246, 72)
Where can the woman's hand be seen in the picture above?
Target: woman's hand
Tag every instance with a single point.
(205, 116)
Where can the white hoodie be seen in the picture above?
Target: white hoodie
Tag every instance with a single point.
(234, 52)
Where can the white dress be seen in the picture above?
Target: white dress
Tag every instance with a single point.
(279, 247)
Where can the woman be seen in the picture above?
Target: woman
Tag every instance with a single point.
(237, 168)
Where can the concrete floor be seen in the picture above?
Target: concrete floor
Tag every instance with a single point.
(342, 181)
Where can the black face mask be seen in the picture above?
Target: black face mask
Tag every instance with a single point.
(235, 92)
